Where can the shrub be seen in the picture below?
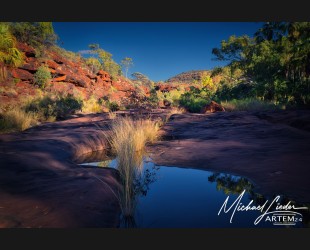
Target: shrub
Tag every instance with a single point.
(195, 99)
(54, 107)
(67, 105)
(153, 100)
(113, 106)
(42, 76)
(91, 106)
(173, 97)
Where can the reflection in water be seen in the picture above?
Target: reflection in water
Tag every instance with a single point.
(130, 194)
(160, 196)
(231, 184)
(135, 182)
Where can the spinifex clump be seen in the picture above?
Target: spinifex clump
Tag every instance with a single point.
(128, 138)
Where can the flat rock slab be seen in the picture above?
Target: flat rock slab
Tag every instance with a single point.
(272, 149)
(40, 185)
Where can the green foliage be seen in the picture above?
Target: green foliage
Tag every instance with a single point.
(173, 97)
(42, 76)
(112, 68)
(195, 99)
(54, 106)
(153, 100)
(142, 79)
(276, 60)
(9, 54)
(113, 106)
(229, 184)
(94, 47)
(208, 84)
(35, 34)
(106, 61)
(237, 90)
(94, 64)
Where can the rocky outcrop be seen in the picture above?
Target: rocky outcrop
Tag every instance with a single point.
(187, 77)
(22, 74)
(212, 107)
(31, 65)
(167, 87)
(51, 64)
(69, 75)
(28, 50)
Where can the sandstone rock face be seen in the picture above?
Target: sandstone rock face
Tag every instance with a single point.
(188, 77)
(167, 87)
(52, 64)
(69, 75)
(22, 74)
(60, 78)
(104, 76)
(78, 80)
(31, 66)
(28, 50)
(212, 107)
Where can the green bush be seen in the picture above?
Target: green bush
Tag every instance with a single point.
(54, 107)
(195, 99)
(153, 100)
(173, 97)
(113, 106)
(42, 76)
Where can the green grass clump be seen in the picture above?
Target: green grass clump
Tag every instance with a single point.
(248, 104)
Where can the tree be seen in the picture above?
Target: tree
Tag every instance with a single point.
(143, 79)
(105, 60)
(237, 51)
(207, 83)
(277, 60)
(93, 46)
(93, 63)
(127, 63)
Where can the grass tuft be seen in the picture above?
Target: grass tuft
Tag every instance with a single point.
(17, 119)
(128, 139)
(91, 106)
(248, 104)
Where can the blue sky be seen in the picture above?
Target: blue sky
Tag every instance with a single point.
(159, 49)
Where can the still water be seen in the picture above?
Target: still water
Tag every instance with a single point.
(174, 197)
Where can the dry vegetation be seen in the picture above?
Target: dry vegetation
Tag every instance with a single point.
(128, 139)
